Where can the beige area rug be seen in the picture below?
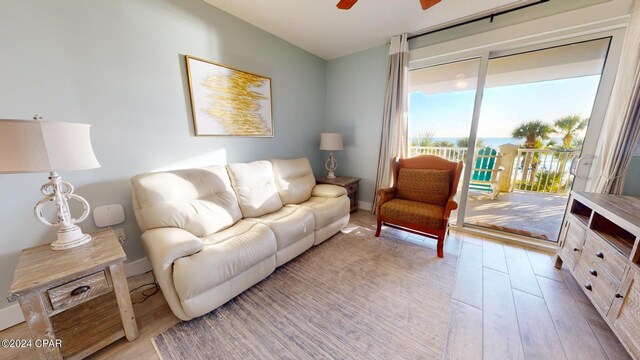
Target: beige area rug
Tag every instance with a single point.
(352, 297)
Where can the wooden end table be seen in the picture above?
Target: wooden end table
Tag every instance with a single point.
(75, 301)
(349, 183)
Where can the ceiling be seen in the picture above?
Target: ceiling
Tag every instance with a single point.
(322, 29)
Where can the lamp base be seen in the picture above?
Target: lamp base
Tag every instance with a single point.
(69, 238)
(58, 192)
(331, 165)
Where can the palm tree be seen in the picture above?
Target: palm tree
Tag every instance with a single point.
(569, 126)
(464, 142)
(533, 133)
(443, 143)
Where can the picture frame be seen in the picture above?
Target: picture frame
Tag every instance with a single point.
(226, 101)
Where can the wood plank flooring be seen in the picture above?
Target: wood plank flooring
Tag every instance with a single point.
(508, 303)
(524, 304)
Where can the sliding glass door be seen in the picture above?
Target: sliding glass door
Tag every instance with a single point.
(518, 119)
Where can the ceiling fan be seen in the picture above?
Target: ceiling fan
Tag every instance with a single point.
(347, 4)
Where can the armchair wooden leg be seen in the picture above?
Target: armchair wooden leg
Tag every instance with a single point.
(441, 246)
(378, 229)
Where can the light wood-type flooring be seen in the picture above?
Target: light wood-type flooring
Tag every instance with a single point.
(509, 302)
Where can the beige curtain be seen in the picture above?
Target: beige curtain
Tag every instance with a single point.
(394, 137)
(621, 130)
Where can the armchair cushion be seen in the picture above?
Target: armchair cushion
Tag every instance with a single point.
(414, 212)
(424, 185)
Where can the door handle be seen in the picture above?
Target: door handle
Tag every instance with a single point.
(575, 163)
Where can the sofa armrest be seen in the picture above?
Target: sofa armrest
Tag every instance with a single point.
(166, 245)
(329, 191)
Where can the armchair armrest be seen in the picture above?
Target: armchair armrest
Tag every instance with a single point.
(385, 195)
(327, 190)
(166, 245)
(449, 207)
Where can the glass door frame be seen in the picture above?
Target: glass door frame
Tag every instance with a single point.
(599, 109)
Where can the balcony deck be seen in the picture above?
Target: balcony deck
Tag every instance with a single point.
(528, 213)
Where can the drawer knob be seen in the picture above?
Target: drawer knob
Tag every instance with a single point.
(588, 287)
(600, 255)
(618, 296)
(576, 249)
(593, 272)
(80, 290)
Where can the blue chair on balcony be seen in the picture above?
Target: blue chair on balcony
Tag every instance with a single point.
(486, 171)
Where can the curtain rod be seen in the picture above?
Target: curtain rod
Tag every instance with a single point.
(484, 17)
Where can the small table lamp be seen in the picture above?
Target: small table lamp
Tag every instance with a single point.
(28, 146)
(331, 142)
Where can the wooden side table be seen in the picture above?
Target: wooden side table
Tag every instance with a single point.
(349, 183)
(71, 299)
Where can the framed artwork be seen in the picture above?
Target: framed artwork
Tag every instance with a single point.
(227, 101)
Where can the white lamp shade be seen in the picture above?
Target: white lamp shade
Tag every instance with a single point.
(30, 146)
(330, 141)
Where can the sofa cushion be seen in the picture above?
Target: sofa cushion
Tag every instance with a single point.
(255, 188)
(294, 179)
(414, 212)
(224, 255)
(290, 225)
(200, 201)
(424, 185)
(326, 210)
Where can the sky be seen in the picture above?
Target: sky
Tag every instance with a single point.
(448, 115)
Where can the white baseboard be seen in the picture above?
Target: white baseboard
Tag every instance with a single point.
(12, 315)
(364, 205)
(137, 267)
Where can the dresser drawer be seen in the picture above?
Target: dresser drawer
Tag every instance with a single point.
(571, 243)
(597, 282)
(351, 188)
(605, 255)
(69, 294)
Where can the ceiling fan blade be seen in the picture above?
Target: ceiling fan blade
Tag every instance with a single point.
(346, 4)
(428, 3)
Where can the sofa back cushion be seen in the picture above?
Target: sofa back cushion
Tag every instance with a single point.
(424, 185)
(294, 179)
(255, 188)
(200, 200)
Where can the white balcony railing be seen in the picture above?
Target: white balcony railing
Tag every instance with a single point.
(540, 170)
(449, 153)
(536, 170)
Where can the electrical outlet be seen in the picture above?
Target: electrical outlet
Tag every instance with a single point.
(120, 234)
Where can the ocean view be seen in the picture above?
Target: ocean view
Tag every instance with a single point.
(490, 141)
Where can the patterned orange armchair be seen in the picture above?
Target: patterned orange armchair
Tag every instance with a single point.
(421, 198)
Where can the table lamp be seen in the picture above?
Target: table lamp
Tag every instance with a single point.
(331, 142)
(33, 146)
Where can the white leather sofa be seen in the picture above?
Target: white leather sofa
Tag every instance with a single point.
(211, 233)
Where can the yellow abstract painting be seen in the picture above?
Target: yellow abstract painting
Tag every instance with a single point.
(228, 102)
